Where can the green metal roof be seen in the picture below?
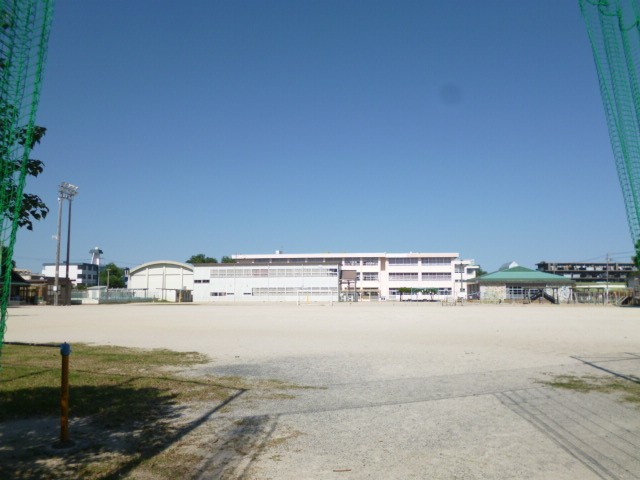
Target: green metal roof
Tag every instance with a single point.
(522, 275)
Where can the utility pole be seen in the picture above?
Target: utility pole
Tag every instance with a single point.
(56, 281)
(66, 191)
(606, 296)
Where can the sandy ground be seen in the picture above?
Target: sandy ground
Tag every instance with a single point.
(401, 390)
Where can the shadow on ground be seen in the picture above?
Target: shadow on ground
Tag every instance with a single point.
(130, 427)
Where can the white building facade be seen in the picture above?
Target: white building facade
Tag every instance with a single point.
(382, 276)
(228, 282)
(162, 280)
(79, 273)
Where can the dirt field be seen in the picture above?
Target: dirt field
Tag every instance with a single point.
(394, 390)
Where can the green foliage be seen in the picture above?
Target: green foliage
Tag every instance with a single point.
(636, 258)
(227, 259)
(32, 208)
(112, 276)
(480, 271)
(4, 253)
(431, 291)
(629, 390)
(201, 258)
(11, 138)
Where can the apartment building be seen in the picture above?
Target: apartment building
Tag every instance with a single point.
(79, 273)
(584, 272)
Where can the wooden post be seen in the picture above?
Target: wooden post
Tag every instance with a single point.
(65, 351)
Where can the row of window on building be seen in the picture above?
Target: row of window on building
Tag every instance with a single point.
(413, 276)
(238, 272)
(87, 276)
(446, 291)
(321, 272)
(358, 261)
(280, 291)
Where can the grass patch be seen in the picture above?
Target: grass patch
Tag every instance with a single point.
(134, 409)
(113, 384)
(629, 391)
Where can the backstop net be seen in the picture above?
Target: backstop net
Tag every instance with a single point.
(614, 31)
(24, 34)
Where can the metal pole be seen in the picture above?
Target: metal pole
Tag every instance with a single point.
(65, 351)
(606, 296)
(68, 287)
(56, 282)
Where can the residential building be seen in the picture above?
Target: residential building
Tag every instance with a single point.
(583, 272)
(79, 273)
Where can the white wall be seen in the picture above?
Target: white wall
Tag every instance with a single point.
(161, 280)
(74, 271)
(386, 264)
(246, 283)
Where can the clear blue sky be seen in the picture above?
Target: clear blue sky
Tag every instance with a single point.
(225, 127)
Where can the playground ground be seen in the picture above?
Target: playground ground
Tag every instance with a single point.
(391, 390)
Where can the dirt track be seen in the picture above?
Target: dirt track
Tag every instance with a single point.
(403, 390)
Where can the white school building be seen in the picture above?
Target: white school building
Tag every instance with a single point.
(333, 277)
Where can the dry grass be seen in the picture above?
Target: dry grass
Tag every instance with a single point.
(628, 391)
(134, 412)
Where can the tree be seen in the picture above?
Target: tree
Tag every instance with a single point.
(32, 208)
(480, 271)
(636, 258)
(13, 140)
(227, 259)
(201, 258)
(112, 276)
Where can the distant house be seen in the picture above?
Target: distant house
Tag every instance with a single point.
(515, 283)
(35, 290)
(20, 289)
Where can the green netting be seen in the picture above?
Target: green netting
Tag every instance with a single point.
(24, 34)
(614, 31)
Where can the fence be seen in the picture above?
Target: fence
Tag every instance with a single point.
(104, 295)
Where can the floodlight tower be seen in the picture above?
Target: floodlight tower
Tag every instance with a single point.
(66, 191)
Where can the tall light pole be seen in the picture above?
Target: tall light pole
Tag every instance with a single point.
(66, 191)
(72, 192)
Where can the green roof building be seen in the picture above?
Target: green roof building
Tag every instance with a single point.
(515, 283)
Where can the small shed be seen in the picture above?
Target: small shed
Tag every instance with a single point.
(515, 283)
